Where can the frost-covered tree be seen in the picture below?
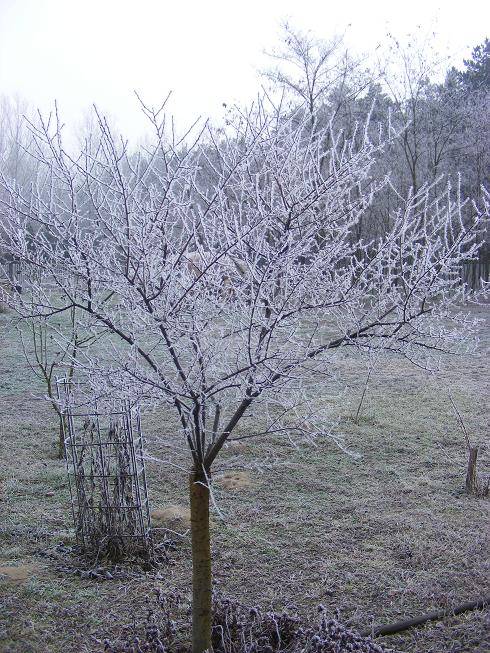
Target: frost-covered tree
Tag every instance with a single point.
(320, 75)
(476, 75)
(226, 275)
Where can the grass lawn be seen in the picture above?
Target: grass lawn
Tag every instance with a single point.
(375, 538)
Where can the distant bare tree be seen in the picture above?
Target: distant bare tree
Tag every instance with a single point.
(227, 277)
(427, 115)
(318, 74)
(52, 351)
(14, 138)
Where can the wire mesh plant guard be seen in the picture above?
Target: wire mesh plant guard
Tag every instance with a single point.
(106, 473)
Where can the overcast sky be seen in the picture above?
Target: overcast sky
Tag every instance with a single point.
(206, 52)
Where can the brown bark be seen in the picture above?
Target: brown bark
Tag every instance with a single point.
(471, 475)
(201, 564)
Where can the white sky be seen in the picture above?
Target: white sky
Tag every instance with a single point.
(206, 51)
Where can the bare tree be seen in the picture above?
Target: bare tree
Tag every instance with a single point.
(14, 138)
(426, 115)
(318, 74)
(203, 264)
(53, 350)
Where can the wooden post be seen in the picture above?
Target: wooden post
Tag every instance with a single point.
(471, 475)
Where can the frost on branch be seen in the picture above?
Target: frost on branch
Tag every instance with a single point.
(223, 270)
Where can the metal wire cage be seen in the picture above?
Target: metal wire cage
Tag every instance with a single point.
(106, 473)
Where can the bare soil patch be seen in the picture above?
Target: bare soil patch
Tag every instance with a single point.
(234, 481)
(173, 517)
(17, 573)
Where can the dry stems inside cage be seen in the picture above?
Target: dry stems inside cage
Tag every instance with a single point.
(107, 481)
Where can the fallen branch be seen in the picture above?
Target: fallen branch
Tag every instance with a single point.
(376, 631)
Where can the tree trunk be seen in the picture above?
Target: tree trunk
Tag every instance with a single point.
(201, 564)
